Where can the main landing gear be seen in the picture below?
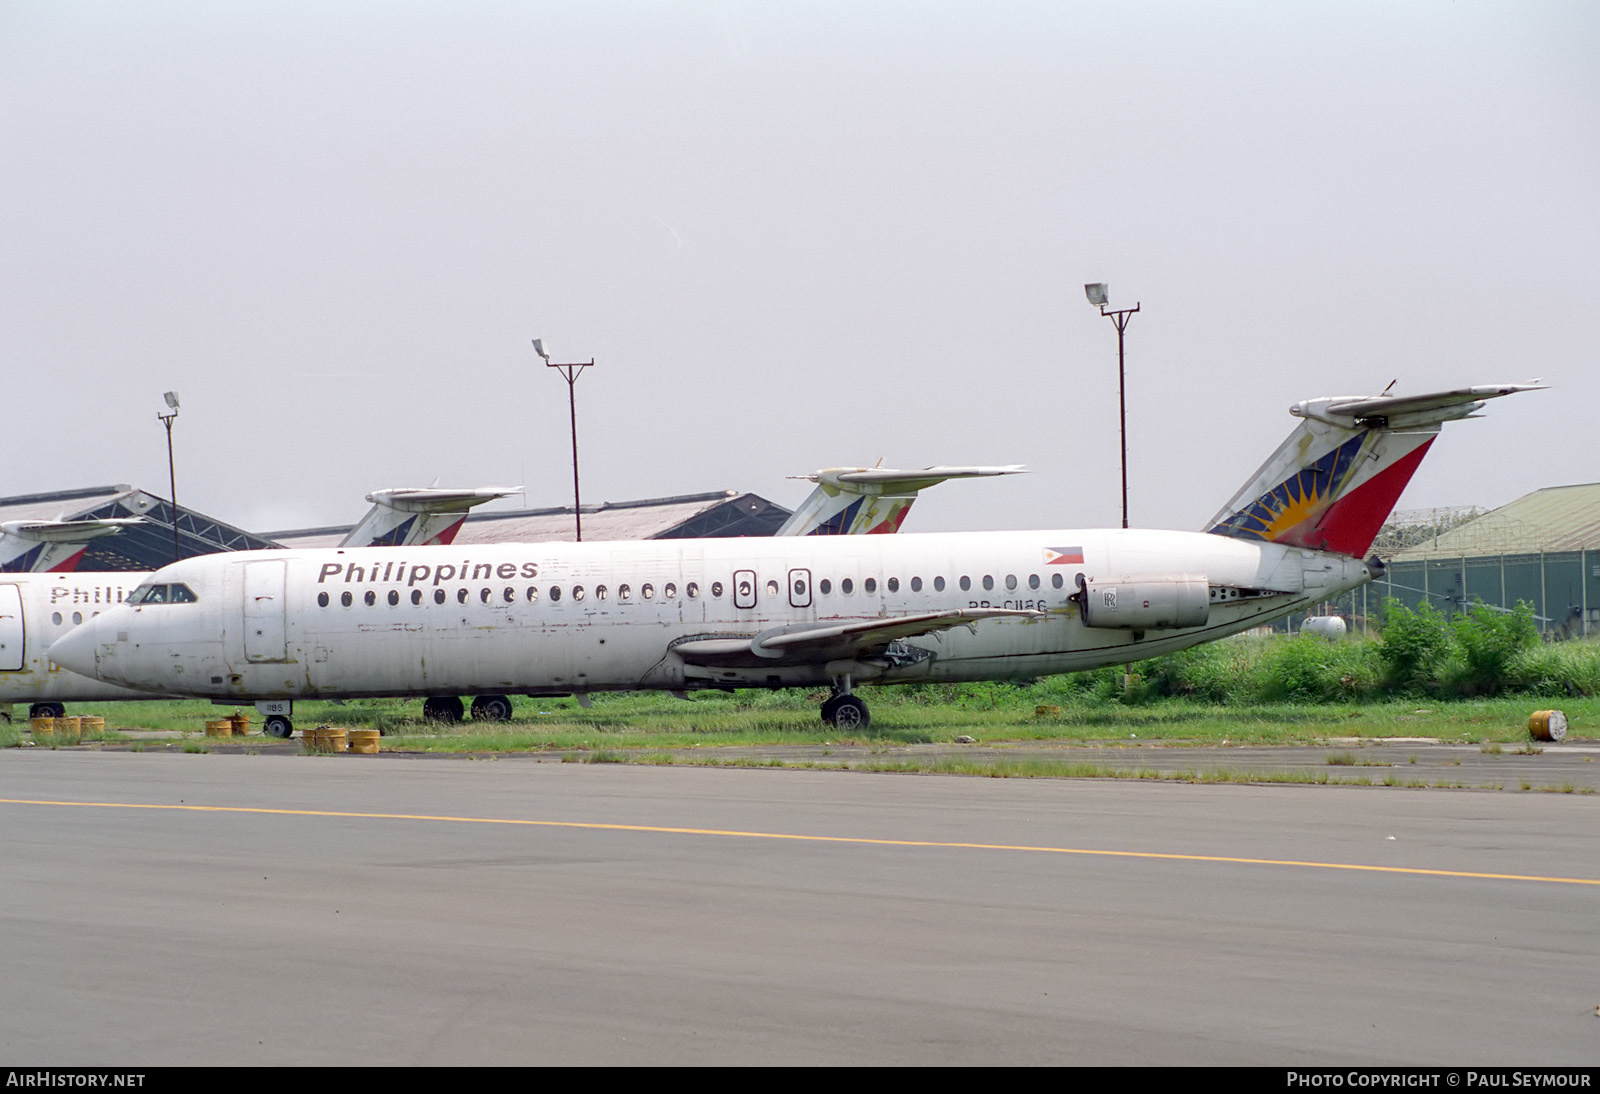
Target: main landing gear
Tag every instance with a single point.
(843, 710)
(279, 726)
(485, 708)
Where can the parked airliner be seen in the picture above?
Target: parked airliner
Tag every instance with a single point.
(677, 615)
(36, 610)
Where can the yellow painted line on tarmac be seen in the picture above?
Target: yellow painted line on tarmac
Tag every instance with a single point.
(801, 837)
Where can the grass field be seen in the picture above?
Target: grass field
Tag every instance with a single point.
(987, 713)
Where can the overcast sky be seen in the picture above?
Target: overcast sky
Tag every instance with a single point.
(792, 235)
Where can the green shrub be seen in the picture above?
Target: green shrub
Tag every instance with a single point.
(1489, 641)
(1416, 645)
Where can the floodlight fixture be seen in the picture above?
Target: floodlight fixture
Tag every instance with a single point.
(1099, 297)
(171, 398)
(570, 372)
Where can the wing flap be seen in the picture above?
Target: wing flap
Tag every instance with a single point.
(808, 643)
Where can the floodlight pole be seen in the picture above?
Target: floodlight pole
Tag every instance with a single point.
(571, 372)
(172, 477)
(1120, 318)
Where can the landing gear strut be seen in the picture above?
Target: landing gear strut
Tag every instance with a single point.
(442, 708)
(845, 711)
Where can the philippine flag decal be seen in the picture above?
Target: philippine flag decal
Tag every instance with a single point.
(1063, 556)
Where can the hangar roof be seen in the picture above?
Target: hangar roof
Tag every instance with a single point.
(717, 514)
(146, 546)
(1556, 518)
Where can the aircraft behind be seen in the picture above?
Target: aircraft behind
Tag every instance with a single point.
(492, 621)
(52, 546)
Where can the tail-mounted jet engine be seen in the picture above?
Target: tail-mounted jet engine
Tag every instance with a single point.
(1150, 602)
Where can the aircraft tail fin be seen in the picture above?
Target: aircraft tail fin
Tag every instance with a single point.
(1336, 479)
(402, 517)
(870, 500)
(53, 546)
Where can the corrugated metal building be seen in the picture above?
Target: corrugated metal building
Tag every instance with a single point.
(146, 546)
(718, 514)
(1543, 548)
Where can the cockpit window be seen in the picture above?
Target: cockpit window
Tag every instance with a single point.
(163, 594)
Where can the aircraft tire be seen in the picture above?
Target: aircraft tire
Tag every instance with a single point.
(491, 708)
(278, 726)
(442, 708)
(47, 710)
(846, 712)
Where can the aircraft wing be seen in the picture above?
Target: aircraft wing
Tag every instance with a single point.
(816, 643)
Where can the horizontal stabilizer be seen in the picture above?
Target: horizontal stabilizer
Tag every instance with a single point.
(67, 531)
(434, 500)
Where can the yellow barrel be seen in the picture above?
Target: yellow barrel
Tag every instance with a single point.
(241, 723)
(92, 723)
(336, 739)
(364, 741)
(45, 727)
(219, 727)
(1548, 725)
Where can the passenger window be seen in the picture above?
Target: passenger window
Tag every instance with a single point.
(846, 586)
(555, 593)
(1033, 581)
(461, 596)
(870, 585)
(966, 583)
(988, 583)
(1011, 581)
(483, 596)
(772, 589)
(55, 617)
(623, 592)
(577, 592)
(647, 590)
(716, 589)
(533, 593)
(371, 598)
(344, 598)
(938, 584)
(416, 596)
(894, 584)
(510, 595)
(826, 586)
(669, 590)
(692, 589)
(77, 617)
(1055, 581)
(394, 597)
(916, 584)
(438, 596)
(322, 600)
(599, 592)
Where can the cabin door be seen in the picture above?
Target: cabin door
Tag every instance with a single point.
(10, 628)
(265, 637)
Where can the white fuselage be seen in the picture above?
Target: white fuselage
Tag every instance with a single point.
(578, 617)
(36, 610)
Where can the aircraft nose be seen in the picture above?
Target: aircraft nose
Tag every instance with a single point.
(75, 650)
